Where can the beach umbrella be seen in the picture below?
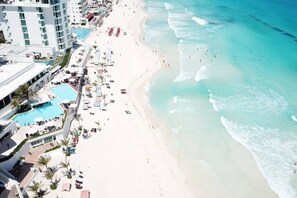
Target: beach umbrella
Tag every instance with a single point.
(66, 101)
(73, 106)
(49, 124)
(38, 119)
(67, 76)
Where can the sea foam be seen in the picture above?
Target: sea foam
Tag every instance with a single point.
(294, 118)
(267, 147)
(200, 21)
(212, 101)
(201, 74)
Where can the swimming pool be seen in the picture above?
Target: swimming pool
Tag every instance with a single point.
(50, 109)
(81, 33)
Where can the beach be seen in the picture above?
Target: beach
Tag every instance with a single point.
(129, 157)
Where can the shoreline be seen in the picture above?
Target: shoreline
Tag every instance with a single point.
(130, 156)
(151, 117)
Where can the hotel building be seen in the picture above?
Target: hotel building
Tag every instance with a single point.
(13, 75)
(77, 10)
(36, 22)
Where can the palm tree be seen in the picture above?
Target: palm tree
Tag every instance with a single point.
(49, 174)
(36, 188)
(23, 91)
(75, 134)
(15, 103)
(65, 142)
(66, 164)
(44, 160)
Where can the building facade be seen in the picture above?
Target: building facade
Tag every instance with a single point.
(36, 22)
(77, 10)
(13, 75)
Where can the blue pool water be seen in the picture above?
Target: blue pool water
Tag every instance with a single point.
(50, 109)
(81, 33)
(232, 76)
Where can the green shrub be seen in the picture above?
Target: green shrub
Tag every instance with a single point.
(14, 151)
(66, 58)
(54, 148)
(53, 186)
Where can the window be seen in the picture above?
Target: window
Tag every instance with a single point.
(43, 30)
(24, 29)
(61, 46)
(20, 9)
(39, 9)
(26, 36)
(55, 2)
(27, 42)
(60, 40)
(59, 34)
(22, 15)
(56, 8)
(44, 36)
(36, 142)
(64, 5)
(57, 14)
(41, 23)
(48, 139)
(23, 22)
(58, 21)
(45, 43)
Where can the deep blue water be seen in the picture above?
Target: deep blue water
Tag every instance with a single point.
(233, 73)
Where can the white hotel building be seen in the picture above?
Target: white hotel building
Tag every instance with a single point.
(77, 10)
(36, 22)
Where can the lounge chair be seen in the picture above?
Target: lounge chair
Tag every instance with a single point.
(66, 187)
(85, 107)
(85, 194)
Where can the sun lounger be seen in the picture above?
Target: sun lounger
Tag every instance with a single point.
(66, 187)
(85, 194)
(85, 107)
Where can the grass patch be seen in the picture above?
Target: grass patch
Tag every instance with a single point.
(57, 61)
(66, 58)
(14, 151)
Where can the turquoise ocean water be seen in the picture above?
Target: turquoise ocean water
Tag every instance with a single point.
(232, 73)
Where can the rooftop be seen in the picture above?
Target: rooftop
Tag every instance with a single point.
(14, 50)
(14, 75)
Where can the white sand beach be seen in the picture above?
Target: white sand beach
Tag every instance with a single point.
(128, 157)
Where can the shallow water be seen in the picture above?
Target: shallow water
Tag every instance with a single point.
(233, 72)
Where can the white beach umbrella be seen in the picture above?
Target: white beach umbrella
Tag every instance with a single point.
(66, 101)
(32, 131)
(38, 119)
(49, 124)
(73, 106)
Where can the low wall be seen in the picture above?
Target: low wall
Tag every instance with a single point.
(8, 164)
